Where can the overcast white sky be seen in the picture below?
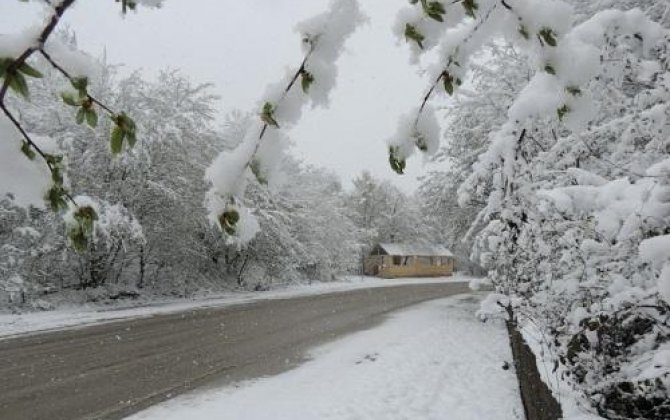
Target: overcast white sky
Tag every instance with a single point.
(242, 45)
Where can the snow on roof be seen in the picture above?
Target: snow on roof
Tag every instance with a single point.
(416, 249)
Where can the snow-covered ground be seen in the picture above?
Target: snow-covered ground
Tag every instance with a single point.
(77, 316)
(434, 361)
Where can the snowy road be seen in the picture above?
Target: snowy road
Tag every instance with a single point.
(433, 361)
(114, 369)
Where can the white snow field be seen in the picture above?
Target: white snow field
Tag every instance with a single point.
(433, 361)
(75, 316)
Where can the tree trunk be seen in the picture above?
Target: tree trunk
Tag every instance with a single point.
(140, 282)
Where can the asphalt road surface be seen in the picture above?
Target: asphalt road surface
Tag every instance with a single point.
(111, 370)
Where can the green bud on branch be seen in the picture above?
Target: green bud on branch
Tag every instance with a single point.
(524, 32)
(550, 69)
(434, 9)
(268, 115)
(397, 163)
(306, 80)
(124, 129)
(28, 151)
(80, 234)
(470, 7)
(411, 33)
(228, 221)
(549, 36)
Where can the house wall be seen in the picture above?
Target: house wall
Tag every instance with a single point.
(382, 266)
(393, 271)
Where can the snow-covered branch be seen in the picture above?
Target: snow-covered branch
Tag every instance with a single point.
(259, 152)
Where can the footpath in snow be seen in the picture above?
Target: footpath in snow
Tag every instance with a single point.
(433, 361)
(77, 316)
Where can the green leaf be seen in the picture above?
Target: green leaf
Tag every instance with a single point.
(116, 142)
(129, 126)
(125, 129)
(421, 142)
(228, 220)
(436, 17)
(448, 83)
(470, 7)
(267, 115)
(562, 111)
(30, 71)
(55, 197)
(306, 80)
(549, 36)
(86, 217)
(127, 4)
(524, 32)
(4, 65)
(78, 239)
(81, 232)
(69, 99)
(411, 33)
(132, 139)
(574, 91)
(256, 169)
(28, 150)
(91, 117)
(550, 69)
(434, 10)
(18, 83)
(397, 164)
(81, 115)
(55, 163)
(81, 85)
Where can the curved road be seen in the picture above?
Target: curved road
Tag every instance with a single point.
(111, 370)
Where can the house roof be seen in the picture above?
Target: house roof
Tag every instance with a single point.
(416, 249)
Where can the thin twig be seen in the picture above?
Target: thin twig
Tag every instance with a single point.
(67, 75)
(445, 73)
(23, 132)
(297, 74)
(32, 144)
(427, 96)
(288, 87)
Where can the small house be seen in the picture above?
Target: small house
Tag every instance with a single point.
(390, 260)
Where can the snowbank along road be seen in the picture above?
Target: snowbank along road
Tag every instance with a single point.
(111, 370)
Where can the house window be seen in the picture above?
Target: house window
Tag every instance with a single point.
(397, 260)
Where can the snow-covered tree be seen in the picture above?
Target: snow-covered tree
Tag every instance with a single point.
(383, 212)
(573, 181)
(478, 109)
